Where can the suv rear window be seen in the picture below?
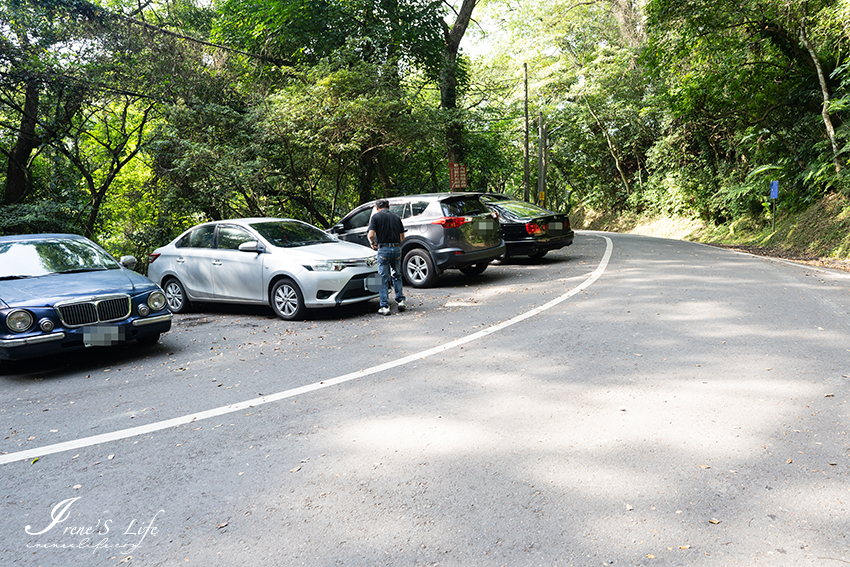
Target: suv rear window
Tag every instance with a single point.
(407, 210)
(463, 206)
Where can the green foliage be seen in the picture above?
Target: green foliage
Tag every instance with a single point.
(39, 217)
(306, 32)
(298, 108)
(745, 97)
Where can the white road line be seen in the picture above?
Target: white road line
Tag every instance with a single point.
(215, 412)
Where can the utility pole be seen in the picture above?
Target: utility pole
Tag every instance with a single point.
(526, 175)
(542, 158)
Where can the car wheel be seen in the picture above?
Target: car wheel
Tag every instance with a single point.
(538, 255)
(287, 300)
(474, 270)
(175, 296)
(148, 340)
(418, 268)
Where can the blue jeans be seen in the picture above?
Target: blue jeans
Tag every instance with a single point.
(389, 268)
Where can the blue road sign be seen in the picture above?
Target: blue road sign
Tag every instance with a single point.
(774, 189)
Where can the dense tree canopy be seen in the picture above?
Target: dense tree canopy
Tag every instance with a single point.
(128, 121)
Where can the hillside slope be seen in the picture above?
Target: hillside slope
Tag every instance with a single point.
(818, 236)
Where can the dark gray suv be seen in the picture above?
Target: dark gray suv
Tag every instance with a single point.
(444, 230)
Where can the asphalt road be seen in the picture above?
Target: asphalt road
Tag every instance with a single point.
(626, 401)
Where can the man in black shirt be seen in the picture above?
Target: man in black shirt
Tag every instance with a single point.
(386, 233)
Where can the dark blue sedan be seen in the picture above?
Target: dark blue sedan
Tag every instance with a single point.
(62, 291)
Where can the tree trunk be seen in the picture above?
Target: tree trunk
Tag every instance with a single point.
(365, 175)
(611, 148)
(17, 171)
(455, 150)
(383, 175)
(827, 119)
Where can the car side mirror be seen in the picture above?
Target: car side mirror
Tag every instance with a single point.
(128, 262)
(250, 246)
(337, 228)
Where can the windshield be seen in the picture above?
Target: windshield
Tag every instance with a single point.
(289, 234)
(31, 258)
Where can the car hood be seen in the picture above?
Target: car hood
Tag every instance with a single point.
(47, 290)
(327, 251)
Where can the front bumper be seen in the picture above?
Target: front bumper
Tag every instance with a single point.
(343, 289)
(36, 344)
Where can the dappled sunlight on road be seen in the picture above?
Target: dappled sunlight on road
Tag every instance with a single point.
(430, 435)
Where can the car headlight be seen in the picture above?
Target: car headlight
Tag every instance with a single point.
(156, 300)
(19, 321)
(329, 266)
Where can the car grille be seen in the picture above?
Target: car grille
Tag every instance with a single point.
(354, 289)
(369, 262)
(76, 313)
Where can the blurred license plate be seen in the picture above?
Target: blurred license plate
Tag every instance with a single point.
(102, 335)
(556, 226)
(373, 283)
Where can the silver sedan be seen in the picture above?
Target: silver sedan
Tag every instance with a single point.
(285, 263)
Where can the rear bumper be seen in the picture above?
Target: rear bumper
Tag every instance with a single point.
(529, 246)
(457, 258)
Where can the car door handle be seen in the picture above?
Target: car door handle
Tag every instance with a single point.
(216, 263)
(180, 260)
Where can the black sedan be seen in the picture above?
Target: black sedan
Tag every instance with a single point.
(529, 230)
(62, 291)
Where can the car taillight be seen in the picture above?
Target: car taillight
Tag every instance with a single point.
(452, 222)
(152, 256)
(533, 228)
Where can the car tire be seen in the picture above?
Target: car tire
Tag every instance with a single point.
(538, 255)
(287, 300)
(148, 340)
(175, 296)
(418, 268)
(475, 269)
